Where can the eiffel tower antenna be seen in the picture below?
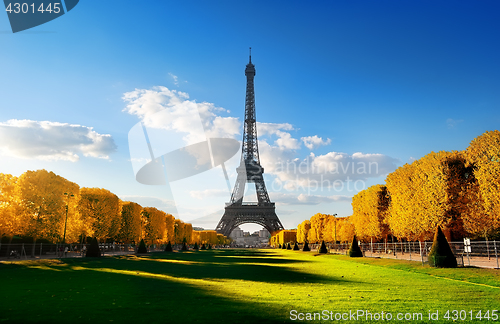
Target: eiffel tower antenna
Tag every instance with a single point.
(236, 211)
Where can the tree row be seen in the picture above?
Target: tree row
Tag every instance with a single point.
(42, 205)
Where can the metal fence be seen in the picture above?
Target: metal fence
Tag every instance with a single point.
(482, 253)
(45, 250)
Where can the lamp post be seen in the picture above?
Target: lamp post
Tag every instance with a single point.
(335, 215)
(67, 196)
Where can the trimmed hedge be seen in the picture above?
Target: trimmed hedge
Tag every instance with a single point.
(441, 254)
(93, 251)
(306, 247)
(296, 247)
(355, 251)
(142, 248)
(168, 248)
(323, 248)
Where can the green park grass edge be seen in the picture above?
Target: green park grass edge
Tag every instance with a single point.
(229, 286)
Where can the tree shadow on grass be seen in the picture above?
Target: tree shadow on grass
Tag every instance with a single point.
(87, 296)
(132, 289)
(213, 266)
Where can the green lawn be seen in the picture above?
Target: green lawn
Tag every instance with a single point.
(237, 286)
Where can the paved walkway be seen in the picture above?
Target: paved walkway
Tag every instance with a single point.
(481, 262)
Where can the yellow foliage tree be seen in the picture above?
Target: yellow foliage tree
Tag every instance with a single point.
(131, 226)
(483, 155)
(153, 224)
(10, 223)
(369, 212)
(303, 231)
(101, 210)
(40, 195)
(345, 229)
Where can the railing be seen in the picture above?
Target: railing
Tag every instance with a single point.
(45, 250)
(483, 253)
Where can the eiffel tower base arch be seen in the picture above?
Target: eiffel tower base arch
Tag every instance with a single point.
(236, 215)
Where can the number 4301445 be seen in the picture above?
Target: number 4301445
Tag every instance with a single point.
(463, 315)
(27, 8)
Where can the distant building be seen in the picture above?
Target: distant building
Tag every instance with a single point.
(236, 233)
(263, 233)
(198, 229)
(241, 238)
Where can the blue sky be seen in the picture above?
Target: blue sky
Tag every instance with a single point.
(374, 81)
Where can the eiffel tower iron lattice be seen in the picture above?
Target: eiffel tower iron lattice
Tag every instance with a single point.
(236, 211)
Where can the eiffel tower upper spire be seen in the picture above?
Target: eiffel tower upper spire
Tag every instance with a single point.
(250, 147)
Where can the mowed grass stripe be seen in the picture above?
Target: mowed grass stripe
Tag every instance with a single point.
(229, 286)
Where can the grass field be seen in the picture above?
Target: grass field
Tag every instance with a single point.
(239, 286)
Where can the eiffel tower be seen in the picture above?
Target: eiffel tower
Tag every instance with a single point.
(236, 211)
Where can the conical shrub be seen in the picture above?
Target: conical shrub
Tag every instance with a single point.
(323, 248)
(441, 254)
(93, 250)
(283, 246)
(279, 246)
(288, 246)
(168, 248)
(196, 246)
(306, 247)
(203, 247)
(296, 247)
(184, 247)
(142, 247)
(209, 246)
(355, 251)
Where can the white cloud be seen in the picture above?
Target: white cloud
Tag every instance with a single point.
(46, 140)
(166, 205)
(312, 142)
(302, 199)
(452, 123)
(272, 128)
(208, 193)
(175, 77)
(330, 170)
(178, 114)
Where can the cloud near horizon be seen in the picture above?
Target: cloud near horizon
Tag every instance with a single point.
(278, 148)
(46, 140)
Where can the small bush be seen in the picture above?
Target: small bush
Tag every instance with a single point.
(196, 248)
(283, 246)
(279, 246)
(142, 248)
(203, 247)
(355, 251)
(296, 247)
(93, 250)
(288, 246)
(306, 247)
(209, 246)
(323, 248)
(184, 247)
(441, 254)
(168, 248)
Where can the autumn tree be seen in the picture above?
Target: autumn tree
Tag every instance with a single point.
(483, 155)
(101, 210)
(130, 229)
(40, 195)
(345, 229)
(169, 235)
(10, 224)
(369, 212)
(154, 225)
(303, 231)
